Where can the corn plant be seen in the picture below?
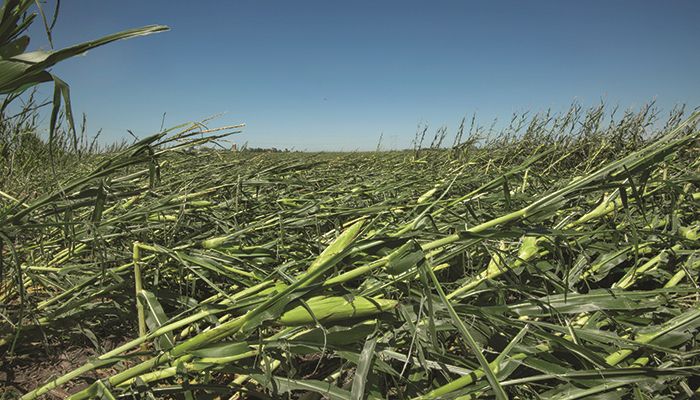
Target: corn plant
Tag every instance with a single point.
(552, 261)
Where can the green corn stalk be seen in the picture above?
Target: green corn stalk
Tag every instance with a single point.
(179, 353)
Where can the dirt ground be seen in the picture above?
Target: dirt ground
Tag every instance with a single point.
(19, 375)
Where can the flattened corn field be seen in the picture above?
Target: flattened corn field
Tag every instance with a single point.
(560, 262)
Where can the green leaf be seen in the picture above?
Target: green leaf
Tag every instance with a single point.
(281, 385)
(363, 367)
(226, 349)
(405, 257)
(14, 47)
(155, 318)
(474, 347)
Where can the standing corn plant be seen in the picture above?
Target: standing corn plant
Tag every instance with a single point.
(21, 70)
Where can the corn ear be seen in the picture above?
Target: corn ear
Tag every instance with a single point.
(339, 245)
(335, 308)
(426, 196)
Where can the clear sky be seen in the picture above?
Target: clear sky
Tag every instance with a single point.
(321, 75)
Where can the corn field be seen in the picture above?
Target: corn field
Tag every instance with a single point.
(559, 261)
(556, 258)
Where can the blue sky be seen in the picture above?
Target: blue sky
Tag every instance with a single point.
(323, 75)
